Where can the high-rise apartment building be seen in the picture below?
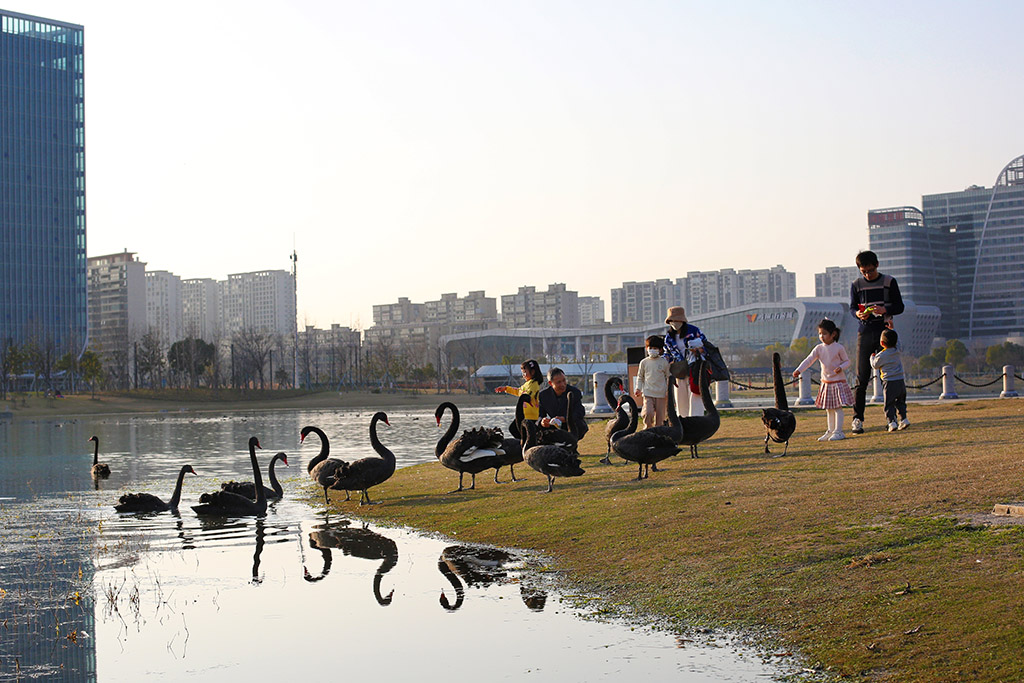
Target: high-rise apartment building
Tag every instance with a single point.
(836, 281)
(591, 310)
(261, 301)
(918, 255)
(42, 183)
(712, 291)
(117, 310)
(646, 302)
(163, 306)
(453, 309)
(200, 309)
(557, 307)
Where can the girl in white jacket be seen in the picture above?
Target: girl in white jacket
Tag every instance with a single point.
(835, 392)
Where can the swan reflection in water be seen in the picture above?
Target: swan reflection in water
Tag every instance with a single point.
(465, 565)
(357, 542)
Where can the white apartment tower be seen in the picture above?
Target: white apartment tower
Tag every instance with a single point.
(200, 309)
(163, 306)
(263, 301)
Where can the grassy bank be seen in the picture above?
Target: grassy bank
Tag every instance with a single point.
(872, 557)
(38, 407)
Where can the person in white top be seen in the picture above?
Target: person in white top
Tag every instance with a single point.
(652, 383)
(835, 392)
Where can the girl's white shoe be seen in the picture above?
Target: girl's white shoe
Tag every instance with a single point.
(826, 436)
(837, 436)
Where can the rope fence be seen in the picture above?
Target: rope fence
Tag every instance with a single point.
(986, 384)
(915, 387)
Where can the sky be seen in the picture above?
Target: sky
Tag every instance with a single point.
(414, 148)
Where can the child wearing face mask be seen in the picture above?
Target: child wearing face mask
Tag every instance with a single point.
(652, 383)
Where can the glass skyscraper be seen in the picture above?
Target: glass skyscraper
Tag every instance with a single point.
(964, 252)
(42, 183)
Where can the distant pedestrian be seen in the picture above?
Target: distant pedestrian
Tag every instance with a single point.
(835, 391)
(532, 379)
(874, 299)
(652, 383)
(894, 388)
(684, 346)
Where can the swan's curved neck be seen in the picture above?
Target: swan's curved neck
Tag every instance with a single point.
(96, 452)
(631, 427)
(176, 496)
(612, 381)
(375, 442)
(274, 484)
(261, 496)
(325, 449)
(453, 579)
(450, 432)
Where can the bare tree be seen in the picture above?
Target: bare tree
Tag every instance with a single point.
(252, 349)
(150, 358)
(11, 360)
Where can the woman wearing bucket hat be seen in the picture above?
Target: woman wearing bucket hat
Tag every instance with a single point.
(684, 346)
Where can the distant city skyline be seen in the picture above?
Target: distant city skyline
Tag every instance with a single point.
(409, 149)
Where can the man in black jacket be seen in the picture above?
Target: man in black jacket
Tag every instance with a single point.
(554, 405)
(874, 299)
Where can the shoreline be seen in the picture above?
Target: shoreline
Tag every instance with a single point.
(875, 558)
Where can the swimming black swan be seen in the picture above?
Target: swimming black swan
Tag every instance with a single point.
(649, 446)
(321, 469)
(474, 566)
(701, 427)
(227, 504)
(147, 502)
(625, 406)
(357, 542)
(100, 470)
(367, 472)
(551, 461)
(473, 452)
(248, 489)
(779, 422)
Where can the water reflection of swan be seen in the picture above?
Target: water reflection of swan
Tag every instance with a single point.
(225, 503)
(357, 542)
(147, 502)
(463, 564)
(100, 470)
(261, 534)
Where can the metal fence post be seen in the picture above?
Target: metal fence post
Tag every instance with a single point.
(948, 388)
(721, 394)
(1008, 391)
(806, 393)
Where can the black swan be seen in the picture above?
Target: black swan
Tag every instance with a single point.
(551, 461)
(779, 422)
(356, 542)
(701, 427)
(473, 452)
(367, 472)
(321, 469)
(649, 446)
(472, 566)
(511, 454)
(248, 489)
(227, 504)
(100, 470)
(147, 502)
(625, 406)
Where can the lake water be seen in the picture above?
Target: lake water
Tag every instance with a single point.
(89, 594)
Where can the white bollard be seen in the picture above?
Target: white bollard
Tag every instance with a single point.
(722, 394)
(876, 387)
(806, 391)
(600, 403)
(948, 388)
(1008, 391)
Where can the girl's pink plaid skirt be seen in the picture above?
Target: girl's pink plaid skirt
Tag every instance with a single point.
(834, 395)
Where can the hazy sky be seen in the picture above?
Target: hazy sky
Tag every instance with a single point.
(416, 148)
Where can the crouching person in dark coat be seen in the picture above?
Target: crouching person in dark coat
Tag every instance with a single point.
(554, 405)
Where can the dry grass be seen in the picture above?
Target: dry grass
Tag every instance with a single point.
(860, 554)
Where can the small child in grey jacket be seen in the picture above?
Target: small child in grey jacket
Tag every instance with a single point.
(894, 389)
